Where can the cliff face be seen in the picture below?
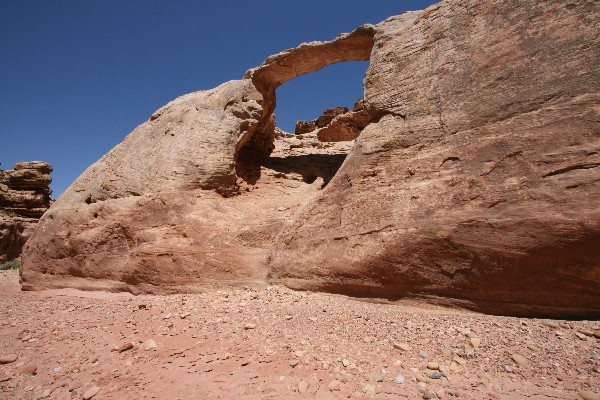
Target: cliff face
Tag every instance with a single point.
(473, 180)
(24, 197)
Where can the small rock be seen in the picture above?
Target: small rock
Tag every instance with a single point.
(597, 333)
(402, 346)
(509, 369)
(294, 363)
(475, 342)
(423, 353)
(534, 348)
(581, 335)
(167, 316)
(302, 387)
(46, 393)
(345, 362)
(149, 344)
(400, 379)
(29, 369)
(586, 332)
(520, 360)
(589, 395)
(288, 317)
(369, 390)
(8, 358)
(334, 385)
(123, 347)
(433, 365)
(377, 378)
(436, 375)
(550, 324)
(249, 326)
(90, 393)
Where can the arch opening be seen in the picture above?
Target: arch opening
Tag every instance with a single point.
(315, 152)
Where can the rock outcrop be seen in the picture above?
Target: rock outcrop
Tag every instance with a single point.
(337, 124)
(473, 180)
(24, 197)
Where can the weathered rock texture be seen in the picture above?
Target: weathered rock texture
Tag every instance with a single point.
(24, 197)
(481, 179)
(337, 124)
(476, 182)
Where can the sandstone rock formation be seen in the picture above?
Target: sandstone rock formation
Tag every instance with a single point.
(475, 182)
(337, 124)
(24, 197)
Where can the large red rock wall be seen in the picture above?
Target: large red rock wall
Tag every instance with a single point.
(481, 181)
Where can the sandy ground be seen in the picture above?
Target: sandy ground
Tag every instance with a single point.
(274, 343)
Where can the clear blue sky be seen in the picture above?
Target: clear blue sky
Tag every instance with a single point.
(77, 76)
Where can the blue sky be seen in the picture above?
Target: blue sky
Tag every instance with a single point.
(77, 76)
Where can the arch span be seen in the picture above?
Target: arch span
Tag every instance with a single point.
(289, 64)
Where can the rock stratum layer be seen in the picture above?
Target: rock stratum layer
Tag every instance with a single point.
(24, 197)
(475, 183)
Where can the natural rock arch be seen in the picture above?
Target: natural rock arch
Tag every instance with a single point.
(474, 184)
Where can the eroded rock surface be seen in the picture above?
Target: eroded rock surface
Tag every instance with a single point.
(24, 197)
(337, 124)
(480, 181)
(475, 182)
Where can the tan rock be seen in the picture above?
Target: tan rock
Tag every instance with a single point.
(302, 387)
(91, 392)
(8, 358)
(149, 344)
(589, 395)
(520, 360)
(123, 347)
(433, 365)
(402, 346)
(28, 369)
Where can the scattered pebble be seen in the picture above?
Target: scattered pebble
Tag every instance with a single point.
(149, 344)
(302, 387)
(90, 393)
(29, 369)
(589, 395)
(519, 359)
(8, 358)
(436, 375)
(400, 379)
(402, 346)
(123, 347)
(433, 365)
